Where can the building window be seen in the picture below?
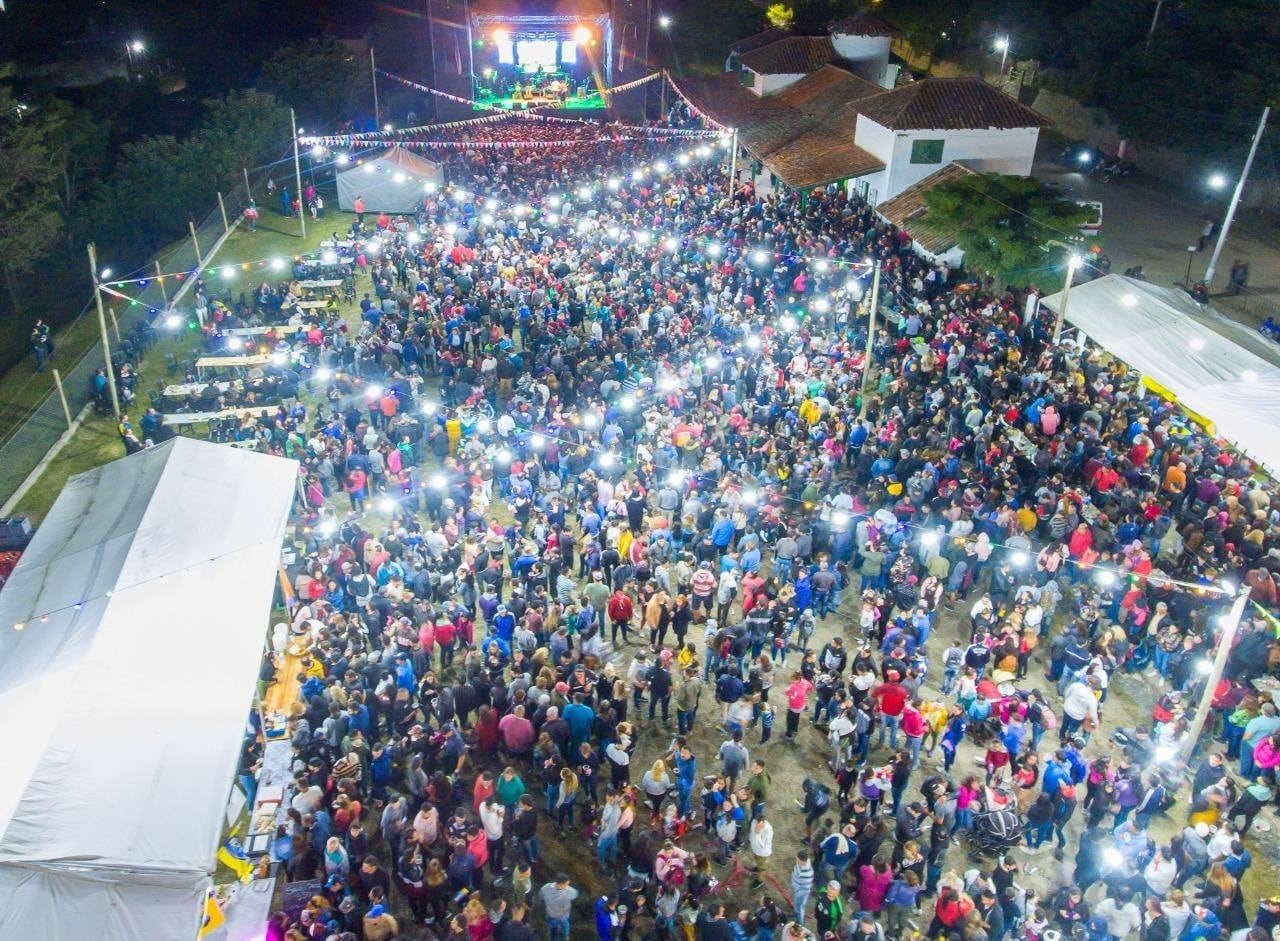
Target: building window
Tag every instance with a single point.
(926, 151)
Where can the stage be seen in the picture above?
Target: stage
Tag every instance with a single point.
(592, 102)
(549, 54)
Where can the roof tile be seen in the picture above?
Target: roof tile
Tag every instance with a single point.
(791, 56)
(954, 104)
(908, 211)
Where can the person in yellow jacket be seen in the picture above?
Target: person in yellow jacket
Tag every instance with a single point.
(809, 413)
(935, 719)
(453, 430)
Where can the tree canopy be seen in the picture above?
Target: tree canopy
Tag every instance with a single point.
(1010, 227)
(158, 181)
(321, 79)
(30, 212)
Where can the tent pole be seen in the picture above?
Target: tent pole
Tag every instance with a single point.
(1072, 263)
(297, 173)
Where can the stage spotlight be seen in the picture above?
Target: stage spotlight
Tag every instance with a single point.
(501, 36)
(581, 35)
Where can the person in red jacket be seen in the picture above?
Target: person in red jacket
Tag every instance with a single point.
(949, 913)
(914, 728)
(620, 608)
(892, 698)
(355, 487)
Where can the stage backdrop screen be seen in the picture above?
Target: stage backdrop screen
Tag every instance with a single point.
(533, 53)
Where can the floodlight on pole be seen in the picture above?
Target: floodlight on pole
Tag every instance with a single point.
(1074, 261)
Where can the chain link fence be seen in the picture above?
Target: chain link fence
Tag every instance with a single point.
(28, 441)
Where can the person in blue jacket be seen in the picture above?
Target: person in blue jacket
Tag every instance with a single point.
(608, 920)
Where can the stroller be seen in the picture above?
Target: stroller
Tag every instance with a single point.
(995, 832)
(997, 827)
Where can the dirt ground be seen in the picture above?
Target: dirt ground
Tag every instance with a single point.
(1128, 703)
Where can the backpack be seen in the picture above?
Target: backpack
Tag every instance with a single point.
(1048, 721)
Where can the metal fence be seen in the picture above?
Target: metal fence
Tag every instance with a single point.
(28, 441)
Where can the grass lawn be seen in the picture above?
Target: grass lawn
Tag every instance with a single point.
(22, 388)
(96, 441)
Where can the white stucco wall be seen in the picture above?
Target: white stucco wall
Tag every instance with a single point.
(986, 151)
(768, 84)
(867, 55)
(874, 187)
(874, 139)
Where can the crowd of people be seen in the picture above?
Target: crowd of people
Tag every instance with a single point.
(589, 459)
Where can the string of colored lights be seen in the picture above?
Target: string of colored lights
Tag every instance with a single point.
(460, 194)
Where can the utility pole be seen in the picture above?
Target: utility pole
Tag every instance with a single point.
(1235, 201)
(297, 172)
(733, 164)
(871, 340)
(1154, 20)
(373, 74)
(1223, 651)
(1073, 263)
(102, 329)
(191, 227)
(160, 281)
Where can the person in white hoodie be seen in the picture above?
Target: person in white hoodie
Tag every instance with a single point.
(760, 837)
(493, 817)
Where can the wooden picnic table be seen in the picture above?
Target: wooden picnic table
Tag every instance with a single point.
(196, 418)
(232, 362)
(192, 388)
(280, 328)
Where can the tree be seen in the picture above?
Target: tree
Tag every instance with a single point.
(241, 129)
(30, 217)
(159, 181)
(780, 16)
(146, 200)
(926, 25)
(78, 148)
(1007, 226)
(321, 79)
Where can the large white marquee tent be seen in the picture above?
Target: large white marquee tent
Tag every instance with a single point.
(392, 181)
(131, 633)
(1216, 367)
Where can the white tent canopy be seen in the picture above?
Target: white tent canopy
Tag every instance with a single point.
(1216, 367)
(393, 181)
(124, 693)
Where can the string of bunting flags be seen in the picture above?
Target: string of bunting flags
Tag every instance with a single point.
(660, 167)
(418, 86)
(426, 89)
(400, 135)
(490, 145)
(695, 109)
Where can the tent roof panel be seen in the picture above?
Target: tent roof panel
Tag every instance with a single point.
(137, 701)
(1216, 367)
